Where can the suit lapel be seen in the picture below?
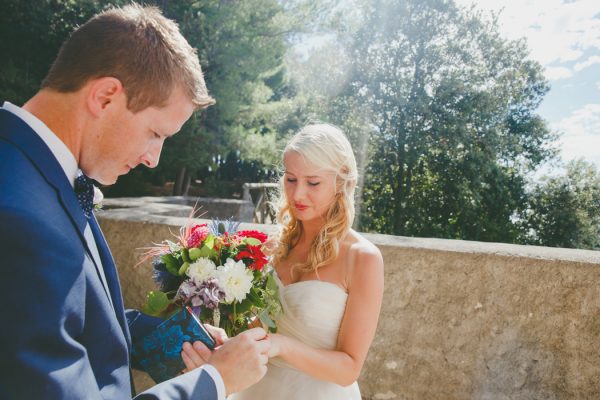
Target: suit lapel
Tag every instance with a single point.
(110, 272)
(17, 132)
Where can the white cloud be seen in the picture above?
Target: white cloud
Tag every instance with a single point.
(587, 63)
(564, 36)
(555, 73)
(585, 120)
(581, 134)
(556, 31)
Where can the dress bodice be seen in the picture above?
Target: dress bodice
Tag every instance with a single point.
(312, 312)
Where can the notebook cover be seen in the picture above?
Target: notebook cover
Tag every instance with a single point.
(159, 352)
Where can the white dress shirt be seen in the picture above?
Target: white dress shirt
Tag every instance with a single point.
(68, 163)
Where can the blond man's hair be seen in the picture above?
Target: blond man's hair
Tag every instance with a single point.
(326, 147)
(138, 46)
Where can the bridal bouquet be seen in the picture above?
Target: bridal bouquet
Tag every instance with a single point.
(218, 271)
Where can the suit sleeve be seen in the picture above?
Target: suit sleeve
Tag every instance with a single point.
(194, 385)
(41, 298)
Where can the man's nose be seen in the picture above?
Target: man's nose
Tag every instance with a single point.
(152, 156)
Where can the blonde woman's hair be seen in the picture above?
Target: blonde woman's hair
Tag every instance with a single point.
(326, 147)
(136, 45)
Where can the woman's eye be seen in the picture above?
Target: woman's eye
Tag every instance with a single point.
(290, 180)
(314, 183)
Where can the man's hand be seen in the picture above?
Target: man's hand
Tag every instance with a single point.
(242, 360)
(196, 355)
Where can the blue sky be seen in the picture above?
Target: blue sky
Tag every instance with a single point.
(564, 36)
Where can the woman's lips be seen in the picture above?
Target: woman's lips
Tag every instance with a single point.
(300, 207)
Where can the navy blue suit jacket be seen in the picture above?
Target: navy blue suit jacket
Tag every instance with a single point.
(60, 338)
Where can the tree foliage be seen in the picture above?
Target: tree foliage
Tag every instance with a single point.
(564, 210)
(440, 109)
(32, 32)
(241, 47)
(452, 107)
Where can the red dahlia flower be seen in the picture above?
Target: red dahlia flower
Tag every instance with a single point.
(254, 253)
(253, 234)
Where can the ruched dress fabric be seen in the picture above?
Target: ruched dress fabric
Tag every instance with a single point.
(312, 313)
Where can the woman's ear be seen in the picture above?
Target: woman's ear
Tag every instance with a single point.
(350, 185)
(104, 92)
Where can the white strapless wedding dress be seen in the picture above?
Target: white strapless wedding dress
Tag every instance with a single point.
(312, 313)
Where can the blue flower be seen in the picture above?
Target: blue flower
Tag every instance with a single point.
(219, 227)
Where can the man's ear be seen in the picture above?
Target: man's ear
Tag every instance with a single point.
(102, 93)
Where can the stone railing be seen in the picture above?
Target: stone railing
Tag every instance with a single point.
(181, 206)
(263, 212)
(460, 320)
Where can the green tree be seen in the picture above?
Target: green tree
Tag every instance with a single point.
(241, 46)
(32, 32)
(454, 130)
(564, 211)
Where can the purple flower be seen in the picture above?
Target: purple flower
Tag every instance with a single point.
(211, 293)
(208, 293)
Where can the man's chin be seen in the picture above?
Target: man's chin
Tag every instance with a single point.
(107, 181)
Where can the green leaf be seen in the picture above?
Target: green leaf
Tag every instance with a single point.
(209, 242)
(244, 306)
(255, 298)
(206, 314)
(265, 318)
(207, 252)
(271, 284)
(185, 256)
(183, 268)
(252, 241)
(195, 254)
(171, 263)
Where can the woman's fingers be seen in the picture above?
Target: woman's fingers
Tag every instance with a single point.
(217, 333)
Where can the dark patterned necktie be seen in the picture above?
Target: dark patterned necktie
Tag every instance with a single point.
(84, 190)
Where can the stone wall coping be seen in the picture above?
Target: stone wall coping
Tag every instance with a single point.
(150, 213)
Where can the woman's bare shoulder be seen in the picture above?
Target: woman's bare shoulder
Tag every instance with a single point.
(358, 245)
(364, 256)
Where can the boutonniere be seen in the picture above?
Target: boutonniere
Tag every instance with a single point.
(98, 197)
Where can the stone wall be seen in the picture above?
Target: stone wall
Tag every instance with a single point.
(460, 320)
(182, 206)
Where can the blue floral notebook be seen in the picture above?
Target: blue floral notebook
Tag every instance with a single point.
(159, 351)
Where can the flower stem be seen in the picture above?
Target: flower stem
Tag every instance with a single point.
(234, 316)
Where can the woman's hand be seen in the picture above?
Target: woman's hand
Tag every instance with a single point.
(217, 333)
(276, 344)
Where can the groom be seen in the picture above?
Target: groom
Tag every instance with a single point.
(121, 84)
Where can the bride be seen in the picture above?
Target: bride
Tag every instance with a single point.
(330, 277)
